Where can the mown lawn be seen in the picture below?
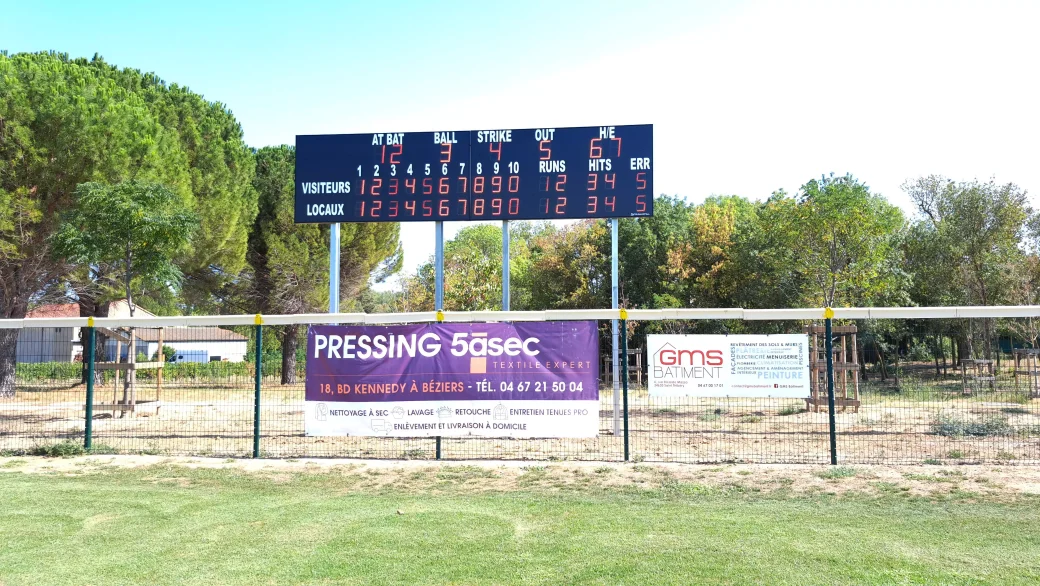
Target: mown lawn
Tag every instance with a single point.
(174, 525)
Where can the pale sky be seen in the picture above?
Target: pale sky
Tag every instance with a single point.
(745, 97)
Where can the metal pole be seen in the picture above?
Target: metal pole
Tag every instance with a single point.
(830, 392)
(624, 377)
(505, 265)
(614, 323)
(89, 407)
(256, 392)
(334, 269)
(438, 291)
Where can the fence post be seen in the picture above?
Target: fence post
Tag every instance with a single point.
(258, 377)
(88, 430)
(828, 314)
(624, 374)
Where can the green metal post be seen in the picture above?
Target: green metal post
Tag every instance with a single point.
(256, 391)
(830, 393)
(624, 378)
(89, 407)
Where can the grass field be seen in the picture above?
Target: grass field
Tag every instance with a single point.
(98, 521)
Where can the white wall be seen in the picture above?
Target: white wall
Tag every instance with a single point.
(48, 345)
(232, 351)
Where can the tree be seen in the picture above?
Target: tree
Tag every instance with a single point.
(62, 124)
(845, 241)
(975, 233)
(288, 262)
(134, 227)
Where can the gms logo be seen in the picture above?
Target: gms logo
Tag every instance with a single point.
(670, 362)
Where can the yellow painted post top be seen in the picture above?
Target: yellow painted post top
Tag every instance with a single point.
(440, 315)
(258, 320)
(828, 313)
(90, 322)
(624, 314)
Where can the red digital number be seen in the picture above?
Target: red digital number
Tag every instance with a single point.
(443, 187)
(640, 180)
(498, 151)
(544, 204)
(445, 152)
(478, 184)
(463, 181)
(496, 184)
(393, 209)
(410, 184)
(496, 207)
(595, 151)
(396, 152)
(361, 209)
(640, 203)
(618, 139)
(544, 147)
(593, 204)
(609, 179)
(462, 206)
(393, 187)
(514, 206)
(561, 180)
(561, 206)
(478, 207)
(593, 181)
(444, 208)
(427, 186)
(376, 206)
(410, 206)
(514, 183)
(376, 184)
(427, 209)
(609, 202)
(546, 184)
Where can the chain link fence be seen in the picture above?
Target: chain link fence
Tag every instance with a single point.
(952, 385)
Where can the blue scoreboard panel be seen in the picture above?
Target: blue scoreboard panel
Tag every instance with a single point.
(526, 174)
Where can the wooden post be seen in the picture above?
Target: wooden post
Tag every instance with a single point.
(115, 375)
(161, 357)
(855, 372)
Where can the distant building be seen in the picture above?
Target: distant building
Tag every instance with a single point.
(62, 344)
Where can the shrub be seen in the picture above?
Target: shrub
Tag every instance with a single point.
(791, 410)
(47, 371)
(64, 449)
(951, 426)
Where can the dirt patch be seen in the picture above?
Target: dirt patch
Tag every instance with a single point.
(965, 482)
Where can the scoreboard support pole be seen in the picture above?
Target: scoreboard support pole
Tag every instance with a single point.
(438, 291)
(505, 265)
(614, 322)
(334, 268)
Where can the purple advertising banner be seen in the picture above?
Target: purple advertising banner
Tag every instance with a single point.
(521, 379)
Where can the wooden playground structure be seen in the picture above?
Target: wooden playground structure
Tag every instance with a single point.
(846, 368)
(129, 368)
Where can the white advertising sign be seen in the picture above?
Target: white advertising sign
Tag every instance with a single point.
(729, 366)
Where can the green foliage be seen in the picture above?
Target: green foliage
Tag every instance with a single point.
(168, 353)
(135, 227)
(48, 371)
(946, 424)
(64, 449)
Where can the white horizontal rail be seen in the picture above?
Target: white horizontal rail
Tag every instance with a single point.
(810, 313)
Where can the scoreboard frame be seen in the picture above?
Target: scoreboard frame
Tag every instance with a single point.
(514, 174)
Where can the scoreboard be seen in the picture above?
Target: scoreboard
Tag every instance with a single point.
(508, 174)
